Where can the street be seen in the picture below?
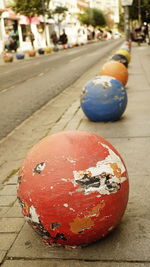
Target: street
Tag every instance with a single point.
(28, 85)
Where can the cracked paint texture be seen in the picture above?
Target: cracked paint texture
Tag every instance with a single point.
(104, 98)
(60, 209)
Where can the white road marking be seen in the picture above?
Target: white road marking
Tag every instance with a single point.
(74, 59)
(41, 74)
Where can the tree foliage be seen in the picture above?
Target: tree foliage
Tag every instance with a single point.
(108, 16)
(92, 16)
(61, 12)
(31, 8)
(144, 8)
(98, 18)
(121, 19)
(87, 17)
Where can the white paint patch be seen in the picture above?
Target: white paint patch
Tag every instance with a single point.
(71, 160)
(40, 167)
(34, 215)
(92, 215)
(110, 228)
(72, 209)
(102, 178)
(66, 205)
(65, 180)
(113, 158)
(105, 81)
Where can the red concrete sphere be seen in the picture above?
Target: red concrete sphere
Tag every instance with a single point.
(32, 53)
(73, 188)
(115, 69)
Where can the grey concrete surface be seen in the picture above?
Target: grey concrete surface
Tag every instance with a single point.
(128, 242)
(69, 263)
(16, 72)
(26, 87)
(128, 245)
(39, 125)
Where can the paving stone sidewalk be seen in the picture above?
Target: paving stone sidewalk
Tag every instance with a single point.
(129, 244)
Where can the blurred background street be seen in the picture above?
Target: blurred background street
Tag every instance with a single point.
(49, 50)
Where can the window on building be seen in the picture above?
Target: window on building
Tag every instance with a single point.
(25, 31)
(40, 27)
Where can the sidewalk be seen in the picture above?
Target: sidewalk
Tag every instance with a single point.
(129, 244)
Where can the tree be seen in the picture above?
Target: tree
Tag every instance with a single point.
(87, 17)
(98, 18)
(92, 16)
(121, 19)
(61, 13)
(144, 10)
(30, 8)
(108, 16)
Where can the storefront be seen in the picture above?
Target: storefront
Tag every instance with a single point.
(1, 36)
(26, 31)
(32, 30)
(8, 26)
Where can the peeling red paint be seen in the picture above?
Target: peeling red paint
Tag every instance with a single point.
(63, 212)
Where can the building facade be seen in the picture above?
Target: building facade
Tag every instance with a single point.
(82, 5)
(75, 32)
(9, 21)
(21, 26)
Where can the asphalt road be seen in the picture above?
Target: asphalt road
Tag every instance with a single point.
(28, 85)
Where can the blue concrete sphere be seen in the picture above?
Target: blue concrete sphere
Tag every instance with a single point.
(103, 99)
(20, 55)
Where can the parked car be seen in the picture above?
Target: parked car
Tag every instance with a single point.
(116, 34)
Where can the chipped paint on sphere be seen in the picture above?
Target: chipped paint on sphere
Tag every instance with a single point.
(39, 168)
(105, 178)
(77, 201)
(103, 99)
(105, 81)
(34, 217)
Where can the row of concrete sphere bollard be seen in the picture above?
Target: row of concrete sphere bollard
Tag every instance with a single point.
(73, 185)
(9, 57)
(104, 98)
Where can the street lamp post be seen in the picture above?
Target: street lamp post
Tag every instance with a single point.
(126, 23)
(126, 4)
(43, 7)
(139, 12)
